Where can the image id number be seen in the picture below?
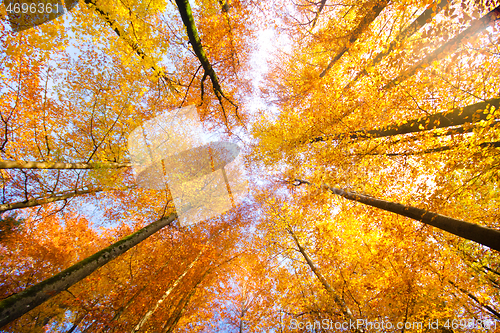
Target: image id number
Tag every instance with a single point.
(33, 8)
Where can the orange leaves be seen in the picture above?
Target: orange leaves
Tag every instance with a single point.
(451, 169)
(349, 128)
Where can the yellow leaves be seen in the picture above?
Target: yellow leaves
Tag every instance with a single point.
(381, 262)
(492, 113)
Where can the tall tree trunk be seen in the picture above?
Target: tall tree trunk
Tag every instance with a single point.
(490, 309)
(181, 308)
(336, 298)
(482, 235)
(242, 314)
(418, 23)
(77, 322)
(92, 4)
(45, 200)
(356, 33)
(170, 324)
(320, 9)
(61, 165)
(486, 268)
(447, 132)
(194, 39)
(459, 116)
(494, 144)
(449, 47)
(18, 304)
(120, 311)
(177, 315)
(150, 312)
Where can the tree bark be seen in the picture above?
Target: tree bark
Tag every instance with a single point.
(418, 23)
(356, 33)
(45, 200)
(476, 27)
(482, 235)
(195, 41)
(77, 322)
(18, 304)
(336, 298)
(92, 4)
(150, 312)
(315, 20)
(494, 144)
(242, 314)
(61, 165)
(459, 116)
(179, 311)
(471, 296)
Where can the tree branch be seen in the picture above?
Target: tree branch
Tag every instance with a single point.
(195, 41)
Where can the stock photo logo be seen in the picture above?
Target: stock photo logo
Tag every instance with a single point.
(173, 151)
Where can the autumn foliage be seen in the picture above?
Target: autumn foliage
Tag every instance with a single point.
(361, 125)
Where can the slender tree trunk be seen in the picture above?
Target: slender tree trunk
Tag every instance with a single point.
(336, 298)
(53, 198)
(486, 268)
(419, 22)
(61, 165)
(45, 200)
(495, 144)
(459, 116)
(450, 131)
(482, 235)
(181, 308)
(92, 4)
(356, 33)
(471, 296)
(180, 311)
(150, 312)
(194, 39)
(170, 324)
(18, 304)
(90, 328)
(242, 314)
(120, 311)
(137, 293)
(126, 306)
(449, 47)
(245, 306)
(76, 323)
(320, 9)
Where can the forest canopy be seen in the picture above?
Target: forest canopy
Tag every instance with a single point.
(250, 166)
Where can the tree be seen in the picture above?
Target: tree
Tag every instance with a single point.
(459, 116)
(9, 224)
(18, 304)
(59, 165)
(164, 296)
(354, 35)
(416, 25)
(476, 27)
(194, 39)
(352, 111)
(358, 260)
(346, 312)
(364, 99)
(482, 235)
